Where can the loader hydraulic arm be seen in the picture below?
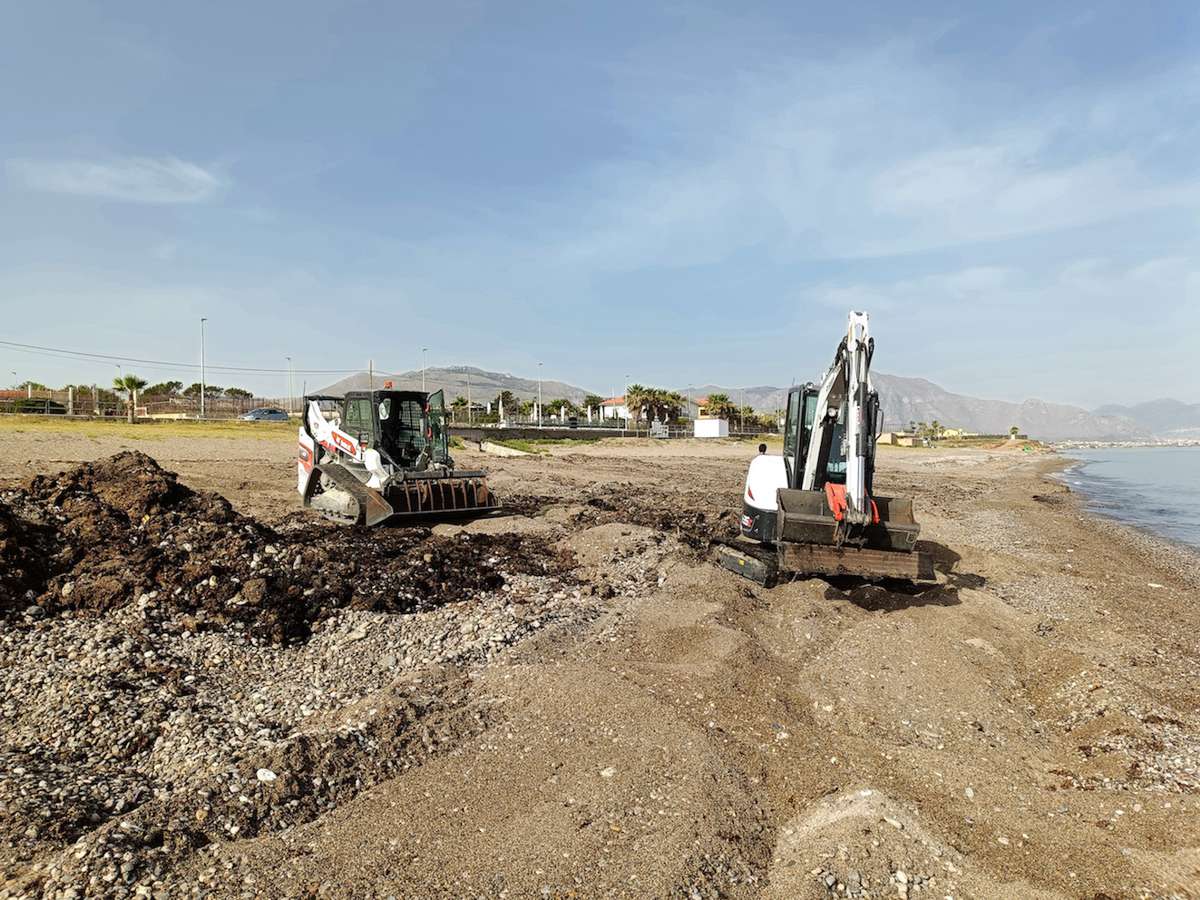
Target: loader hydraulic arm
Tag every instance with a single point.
(844, 393)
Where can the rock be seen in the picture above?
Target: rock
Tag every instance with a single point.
(608, 772)
(35, 612)
(266, 775)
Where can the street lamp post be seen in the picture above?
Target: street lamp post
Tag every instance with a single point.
(539, 409)
(202, 385)
(627, 413)
(424, 350)
(291, 387)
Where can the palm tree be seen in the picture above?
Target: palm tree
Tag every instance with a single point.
(721, 406)
(130, 384)
(458, 405)
(673, 404)
(655, 403)
(637, 397)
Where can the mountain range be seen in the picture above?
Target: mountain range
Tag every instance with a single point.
(461, 380)
(1164, 418)
(903, 400)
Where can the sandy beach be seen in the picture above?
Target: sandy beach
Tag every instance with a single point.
(573, 700)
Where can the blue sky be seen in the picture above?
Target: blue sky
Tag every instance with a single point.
(687, 193)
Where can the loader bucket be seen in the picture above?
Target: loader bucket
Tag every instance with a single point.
(804, 517)
(465, 493)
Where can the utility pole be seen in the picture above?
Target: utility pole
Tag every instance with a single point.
(291, 391)
(626, 399)
(371, 374)
(202, 385)
(423, 351)
(470, 417)
(539, 409)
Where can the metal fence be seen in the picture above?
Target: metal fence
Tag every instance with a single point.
(103, 403)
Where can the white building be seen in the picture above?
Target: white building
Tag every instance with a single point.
(614, 408)
(707, 427)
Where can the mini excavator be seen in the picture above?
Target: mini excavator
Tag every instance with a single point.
(811, 511)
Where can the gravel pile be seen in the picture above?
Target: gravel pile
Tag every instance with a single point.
(174, 675)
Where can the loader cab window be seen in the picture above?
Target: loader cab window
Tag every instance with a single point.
(357, 420)
(438, 433)
(402, 429)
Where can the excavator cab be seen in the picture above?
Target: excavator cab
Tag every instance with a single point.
(797, 432)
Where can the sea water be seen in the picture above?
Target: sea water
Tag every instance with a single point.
(1154, 488)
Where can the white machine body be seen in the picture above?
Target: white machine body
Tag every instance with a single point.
(338, 443)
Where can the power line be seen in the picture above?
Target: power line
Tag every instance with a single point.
(62, 353)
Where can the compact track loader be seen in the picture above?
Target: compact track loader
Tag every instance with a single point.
(811, 511)
(372, 456)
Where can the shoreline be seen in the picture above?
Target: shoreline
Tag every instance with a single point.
(1182, 553)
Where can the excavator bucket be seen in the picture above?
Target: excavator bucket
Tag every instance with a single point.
(804, 517)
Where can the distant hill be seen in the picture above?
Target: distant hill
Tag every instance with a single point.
(906, 399)
(1165, 418)
(903, 399)
(453, 380)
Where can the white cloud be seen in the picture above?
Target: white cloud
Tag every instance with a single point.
(134, 179)
(871, 154)
(1087, 330)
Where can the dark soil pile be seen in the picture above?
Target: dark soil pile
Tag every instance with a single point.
(24, 547)
(124, 530)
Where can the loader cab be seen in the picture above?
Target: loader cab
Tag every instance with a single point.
(402, 425)
(797, 432)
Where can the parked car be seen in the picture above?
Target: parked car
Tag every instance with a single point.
(265, 414)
